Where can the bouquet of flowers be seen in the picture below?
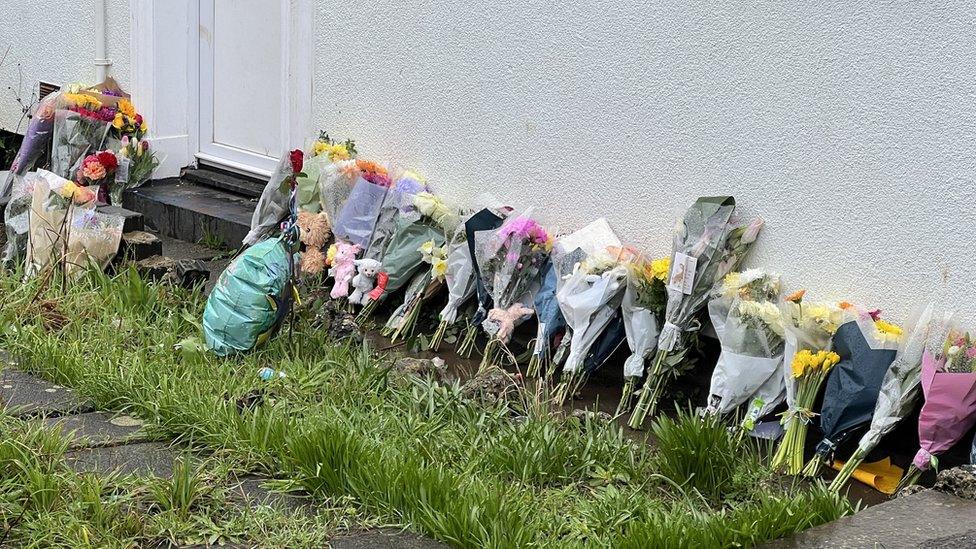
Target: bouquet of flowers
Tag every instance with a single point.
(866, 345)
(949, 386)
(35, 143)
(81, 126)
(319, 155)
(511, 259)
(136, 164)
(429, 220)
(127, 122)
(98, 171)
(900, 389)
(273, 206)
(423, 285)
(357, 219)
(52, 201)
(747, 321)
(93, 239)
(708, 244)
(807, 360)
(643, 305)
(398, 201)
(550, 317)
(485, 219)
(460, 281)
(589, 298)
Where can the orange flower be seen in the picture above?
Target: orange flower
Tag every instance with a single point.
(369, 166)
(797, 296)
(845, 305)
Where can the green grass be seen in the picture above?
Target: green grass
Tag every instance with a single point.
(45, 504)
(412, 452)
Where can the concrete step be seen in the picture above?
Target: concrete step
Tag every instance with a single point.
(193, 213)
(214, 178)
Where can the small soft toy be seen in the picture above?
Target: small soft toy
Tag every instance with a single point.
(365, 279)
(343, 268)
(506, 319)
(315, 231)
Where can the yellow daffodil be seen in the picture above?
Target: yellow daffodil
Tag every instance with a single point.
(439, 268)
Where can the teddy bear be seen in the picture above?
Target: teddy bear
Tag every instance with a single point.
(365, 279)
(505, 319)
(343, 268)
(315, 232)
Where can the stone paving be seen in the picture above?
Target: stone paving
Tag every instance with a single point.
(103, 443)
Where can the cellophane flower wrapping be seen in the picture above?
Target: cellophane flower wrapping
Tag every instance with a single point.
(357, 219)
(642, 307)
(460, 277)
(702, 254)
(93, 239)
(272, 207)
(486, 219)
(867, 349)
(76, 135)
(35, 144)
(399, 201)
(589, 298)
(49, 220)
(137, 162)
(427, 221)
(591, 291)
(510, 260)
(336, 181)
(745, 315)
(949, 384)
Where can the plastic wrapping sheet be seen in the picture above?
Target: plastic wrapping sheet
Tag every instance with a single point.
(35, 144)
(483, 220)
(588, 303)
(358, 216)
(93, 239)
(460, 280)
(272, 207)
(75, 136)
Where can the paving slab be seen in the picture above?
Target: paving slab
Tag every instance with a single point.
(143, 459)
(25, 395)
(248, 491)
(925, 519)
(98, 429)
(384, 538)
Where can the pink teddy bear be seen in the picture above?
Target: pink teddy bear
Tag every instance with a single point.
(506, 319)
(343, 268)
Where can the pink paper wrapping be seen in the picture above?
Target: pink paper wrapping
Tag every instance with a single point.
(949, 411)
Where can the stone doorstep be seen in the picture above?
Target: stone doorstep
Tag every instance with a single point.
(925, 519)
(26, 396)
(98, 429)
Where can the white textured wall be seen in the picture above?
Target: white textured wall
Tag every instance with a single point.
(53, 41)
(848, 126)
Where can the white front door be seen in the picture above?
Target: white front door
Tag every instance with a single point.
(255, 81)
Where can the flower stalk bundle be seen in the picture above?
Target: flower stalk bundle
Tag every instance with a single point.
(459, 277)
(867, 346)
(424, 284)
(949, 385)
(745, 314)
(551, 321)
(510, 260)
(808, 370)
(708, 244)
(645, 300)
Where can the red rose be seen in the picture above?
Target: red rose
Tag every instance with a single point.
(297, 158)
(108, 160)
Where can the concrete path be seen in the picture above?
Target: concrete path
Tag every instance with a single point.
(927, 519)
(103, 443)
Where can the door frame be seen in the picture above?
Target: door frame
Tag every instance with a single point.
(164, 45)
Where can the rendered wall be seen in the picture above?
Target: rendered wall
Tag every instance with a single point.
(848, 126)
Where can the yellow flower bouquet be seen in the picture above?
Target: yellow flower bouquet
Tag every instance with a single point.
(808, 370)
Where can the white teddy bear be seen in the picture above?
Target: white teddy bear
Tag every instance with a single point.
(365, 279)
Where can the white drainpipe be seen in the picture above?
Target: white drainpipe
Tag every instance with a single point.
(101, 62)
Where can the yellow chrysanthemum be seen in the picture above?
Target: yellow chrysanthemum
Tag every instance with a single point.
(118, 121)
(888, 328)
(660, 268)
(127, 108)
(331, 254)
(82, 100)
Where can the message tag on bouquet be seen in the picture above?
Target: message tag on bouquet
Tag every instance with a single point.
(122, 171)
(540, 341)
(682, 277)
